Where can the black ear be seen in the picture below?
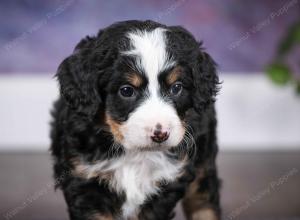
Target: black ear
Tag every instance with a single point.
(78, 79)
(206, 82)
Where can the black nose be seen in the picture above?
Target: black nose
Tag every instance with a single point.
(159, 136)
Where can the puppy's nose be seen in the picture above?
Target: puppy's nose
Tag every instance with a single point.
(159, 136)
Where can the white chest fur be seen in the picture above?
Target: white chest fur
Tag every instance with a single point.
(137, 174)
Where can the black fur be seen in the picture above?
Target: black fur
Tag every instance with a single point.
(89, 79)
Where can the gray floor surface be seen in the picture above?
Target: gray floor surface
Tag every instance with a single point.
(256, 186)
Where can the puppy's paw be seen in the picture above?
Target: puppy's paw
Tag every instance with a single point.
(205, 214)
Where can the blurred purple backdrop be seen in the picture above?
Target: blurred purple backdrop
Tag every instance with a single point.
(241, 35)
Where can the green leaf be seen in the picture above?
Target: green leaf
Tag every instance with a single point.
(279, 73)
(290, 39)
(298, 87)
(286, 45)
(297, 34)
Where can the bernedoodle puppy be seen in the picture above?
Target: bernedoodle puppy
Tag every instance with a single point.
(134, 129)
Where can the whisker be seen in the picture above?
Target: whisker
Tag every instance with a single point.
(99, 130)
(114, 149)
(191, 145)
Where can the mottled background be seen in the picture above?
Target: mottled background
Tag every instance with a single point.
(241, 35)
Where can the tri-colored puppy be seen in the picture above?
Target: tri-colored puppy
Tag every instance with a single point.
(135, 128)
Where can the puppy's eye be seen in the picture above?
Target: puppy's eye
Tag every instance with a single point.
(176, 88)
(127, 91)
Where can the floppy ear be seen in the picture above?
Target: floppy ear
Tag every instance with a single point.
(78, 79)
(206, 82)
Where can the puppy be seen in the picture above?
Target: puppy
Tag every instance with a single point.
(134, 129)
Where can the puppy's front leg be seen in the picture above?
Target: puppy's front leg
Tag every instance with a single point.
(89, 200)
(201, 201)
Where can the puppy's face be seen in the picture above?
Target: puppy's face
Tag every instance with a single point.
(147, 95)
(144, 77)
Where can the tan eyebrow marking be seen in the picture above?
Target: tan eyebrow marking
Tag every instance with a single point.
(135, 79)
(174, 75)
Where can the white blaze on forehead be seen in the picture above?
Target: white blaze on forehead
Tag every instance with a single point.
(149, 48)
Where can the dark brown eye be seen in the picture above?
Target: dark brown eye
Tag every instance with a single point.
(127, 91)
(176, 88)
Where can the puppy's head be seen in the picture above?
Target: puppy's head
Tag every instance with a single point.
(143, 77)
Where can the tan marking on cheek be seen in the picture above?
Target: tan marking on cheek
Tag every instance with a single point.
(174, 75)
(115, 128)
(135, 79)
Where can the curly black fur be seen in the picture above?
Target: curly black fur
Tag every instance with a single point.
(79, 130)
